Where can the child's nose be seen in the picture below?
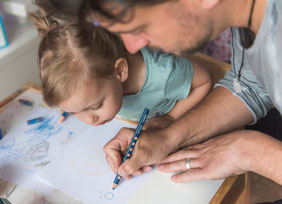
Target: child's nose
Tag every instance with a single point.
(87, 118)
(134, 43)
(91, 119)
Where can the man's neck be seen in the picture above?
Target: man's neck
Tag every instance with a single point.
(258, 15)
(242, 10)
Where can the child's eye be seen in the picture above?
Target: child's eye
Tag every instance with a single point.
(97, 108)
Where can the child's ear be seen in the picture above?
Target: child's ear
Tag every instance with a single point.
(121, 68)
(208, 4)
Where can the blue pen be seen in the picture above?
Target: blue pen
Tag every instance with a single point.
(25, 102)
(132, 143)
(35, 120)
(1, 135)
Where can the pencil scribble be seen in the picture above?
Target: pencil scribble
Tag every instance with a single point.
(34, 147)
(38, 151)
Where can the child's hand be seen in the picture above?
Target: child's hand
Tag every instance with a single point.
(159, 122)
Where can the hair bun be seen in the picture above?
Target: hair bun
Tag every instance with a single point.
(43, 22)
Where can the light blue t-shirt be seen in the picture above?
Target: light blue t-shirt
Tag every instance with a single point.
(168, 79)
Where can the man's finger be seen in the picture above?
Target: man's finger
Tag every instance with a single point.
(178, 165)
(114, 164)
(133, 164)
(114, 160)
(190, 175)
(180, 155)
(147, 168)
(138, 172)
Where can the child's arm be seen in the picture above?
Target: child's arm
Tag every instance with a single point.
(201, 85)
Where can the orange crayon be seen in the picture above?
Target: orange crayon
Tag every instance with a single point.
(63, 117)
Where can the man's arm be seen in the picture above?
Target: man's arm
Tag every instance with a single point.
(219, 113)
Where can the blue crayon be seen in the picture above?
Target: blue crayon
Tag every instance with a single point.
(132, 143)
(35, 120)
(1, 135)
(25, 102)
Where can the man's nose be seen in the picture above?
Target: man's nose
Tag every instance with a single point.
(134, 43)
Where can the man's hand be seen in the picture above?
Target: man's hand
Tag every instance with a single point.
(151, 148)
(224, 156)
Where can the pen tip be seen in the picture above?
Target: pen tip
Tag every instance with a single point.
(114, 186)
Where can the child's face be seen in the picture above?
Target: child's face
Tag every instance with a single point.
(95, 103)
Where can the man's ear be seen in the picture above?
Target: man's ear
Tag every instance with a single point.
(208, 4)
(121, 69)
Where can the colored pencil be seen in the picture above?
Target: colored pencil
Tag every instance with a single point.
(132, 143)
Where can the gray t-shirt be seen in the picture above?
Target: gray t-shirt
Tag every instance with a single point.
(261, 75)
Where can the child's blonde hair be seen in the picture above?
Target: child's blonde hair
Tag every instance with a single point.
(72, 54)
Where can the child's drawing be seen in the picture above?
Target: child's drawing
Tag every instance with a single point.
(29, 148)
(30, 145)
(38, 151)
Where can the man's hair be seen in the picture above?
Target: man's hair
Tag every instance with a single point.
(73, 54)
(81, 8)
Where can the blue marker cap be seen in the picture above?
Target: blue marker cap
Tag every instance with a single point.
(25, 102)
(65, 114)
(1, 135)
(35, 120)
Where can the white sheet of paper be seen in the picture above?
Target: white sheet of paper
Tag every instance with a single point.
(83, 172)
(25, 149)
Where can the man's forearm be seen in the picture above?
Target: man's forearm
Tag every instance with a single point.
(218, 113)
(264, 156)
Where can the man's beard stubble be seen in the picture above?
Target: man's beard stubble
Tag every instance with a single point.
(199, 45)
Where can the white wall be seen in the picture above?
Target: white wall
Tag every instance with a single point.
(18, 62)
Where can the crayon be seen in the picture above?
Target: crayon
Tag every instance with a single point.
(35, 120)
(25, 102)
(63, 116)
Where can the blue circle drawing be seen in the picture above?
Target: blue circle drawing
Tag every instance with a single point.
(109, 196)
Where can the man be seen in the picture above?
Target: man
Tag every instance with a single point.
(244, 95)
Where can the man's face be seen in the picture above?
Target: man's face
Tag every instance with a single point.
(170, 26)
